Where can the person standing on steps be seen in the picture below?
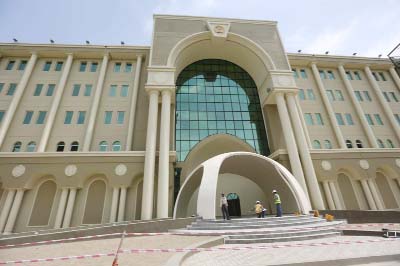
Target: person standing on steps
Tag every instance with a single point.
(224, 207)
(259, 209)
(277, 202)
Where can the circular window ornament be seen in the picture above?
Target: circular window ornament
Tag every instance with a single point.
(364, 164)
(18, 170)
(326, 165)
(397, 162)
(70, 170)
(121, 169)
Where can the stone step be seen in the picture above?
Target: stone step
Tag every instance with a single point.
(255, 221)
(253, 218)
(308, 231)
(281, 239)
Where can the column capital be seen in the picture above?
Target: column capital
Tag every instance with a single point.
(152, 90)
(69, 54)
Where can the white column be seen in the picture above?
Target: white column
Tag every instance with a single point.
(328, 194)
(14, 211)
(367, 128)
(54, 105)
(19, 91)
(163, 163)
(70, 208)
(132, 111)
(114, 205)
(335, 196)
(95, 104)
(303, 123)
(6, 209)
(290, 142)
(122, 201)
(395, 77)
(375, 194)
(308, 167)
(328, 107)
(150, 157)
(385, 105)
(368, 194)
(61, 208)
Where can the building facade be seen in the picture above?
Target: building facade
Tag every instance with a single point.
(100, 134)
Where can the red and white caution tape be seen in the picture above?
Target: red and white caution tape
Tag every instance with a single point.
(175, 250)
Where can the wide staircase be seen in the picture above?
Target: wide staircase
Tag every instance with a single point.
(266, 230)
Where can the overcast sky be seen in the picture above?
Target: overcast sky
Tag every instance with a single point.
(368, 27)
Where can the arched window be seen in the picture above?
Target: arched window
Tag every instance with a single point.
(328, 144)
(116, 146)
(74, 146)
(103, 146)
(31, 146)
(359, 143)
(349, 144)
(389, 143)
(380, 143)
(316, 144)
(60, 146)
(17, 146)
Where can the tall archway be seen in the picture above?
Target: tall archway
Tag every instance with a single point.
(43, 204)
(385, 191)
(347, 191)
(94, 206)
(139, 195)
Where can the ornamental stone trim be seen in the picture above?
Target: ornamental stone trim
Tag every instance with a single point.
(397, 162)
(70, 170)
(121, 169)
(18, 170)
(364, 164)
(327, 166)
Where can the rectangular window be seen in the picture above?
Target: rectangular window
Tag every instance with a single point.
(120, 117)
(330, 95)
(88, 89)
(339, 119)
(357, 75)
(12, 88)
(124, 90)
(59, 66)
(295, 74)
(117, 67)
(22, 65)
(349, 119)
(322, 74)
(113, 91)
(68, 117)
(47, 66)
(301, 94)
(303, 73)
(348, 75)
(358, 96)
(82, 67)
(378, 119)
(339, 95)
(396, 116)
(369, 119)
(1, 87)
(393, 96)
(1, 115)
(366, 95)
(28, 117)
(309, 119)
(331, 75)
(310, 95)
(76, 89)
(375, 76)
(107, 117)
(382, 76)
(128, 67)
(50, 89)
(81, 117)
(38, 90)
(386, 96)
(93, 66)
(319, 119)
(10, 65)
(41, 117)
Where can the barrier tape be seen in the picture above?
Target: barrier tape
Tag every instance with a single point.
(183, 234)
(175, 250)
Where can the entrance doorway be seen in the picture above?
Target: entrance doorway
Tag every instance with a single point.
(234, 204)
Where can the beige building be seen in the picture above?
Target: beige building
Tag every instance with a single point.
(97, 134)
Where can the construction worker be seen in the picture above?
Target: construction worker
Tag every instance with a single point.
(277, 202)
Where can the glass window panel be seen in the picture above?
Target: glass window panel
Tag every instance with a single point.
(349, 119)
(22, 65)
(10, 65)
(124, 90)
(107, 117)
(81, 117)
(59, 66)
(310, 94)
(38, 90)
(28, 117)
(47, 66)
(369, 119)
(339, 95)
(113, 91)
(358, 96)
(309, 119)
(128, 67)
(378, 119)
(82, 67)
(41, 117)
(76, 89)
(11, 89)
(68, 117)
(319, 119)
(117, 67)
(339, 119)
(366, 95)
(93, 66)
(2, 115)
(50, 89)
(301, 94)
(88, 89)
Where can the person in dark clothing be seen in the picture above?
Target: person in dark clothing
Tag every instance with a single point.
(224, 207)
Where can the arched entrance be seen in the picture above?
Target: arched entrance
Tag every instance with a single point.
(266, 173)
(234, 204)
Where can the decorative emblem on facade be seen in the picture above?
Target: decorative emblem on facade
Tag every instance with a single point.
(326, 165)
(219, 29)
(70, 170)
(121, 169)
(18, 170)
(364, 164)
(398, 162)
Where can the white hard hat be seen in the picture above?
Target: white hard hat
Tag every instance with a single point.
(257, 201)
(274, 191)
